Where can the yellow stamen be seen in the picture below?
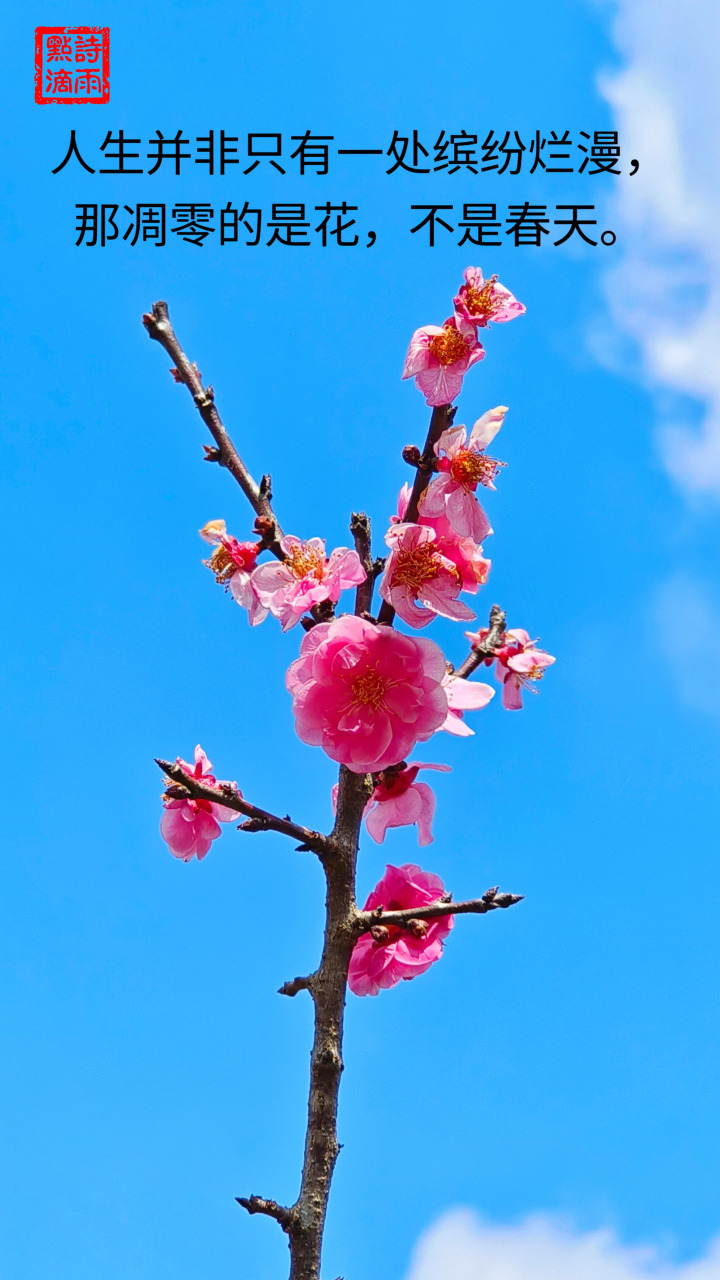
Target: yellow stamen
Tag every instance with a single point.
(448, 346)
(369, 689)
(305, 562)
(472, 468)
(415, 566)
(481, 303)
(221, 564)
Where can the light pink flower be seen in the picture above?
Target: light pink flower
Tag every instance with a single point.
(479, 301)
(463, 695)
(439, 358)
(463, 464)
(190, 826)
(233, 562)
(399, 801)
(464, 552)
(305, 578)
(396, 954)
(416, 571)
(366, 694)
(517, 663)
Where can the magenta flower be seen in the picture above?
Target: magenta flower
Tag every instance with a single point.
(233, 562)
(480, 301)
(305, 578)
(366, 694)
(463, 695)
(389, 954)
(439, 358)
(416, 571)
(399, 801)
(517, 664)
(189, 826)
(463, 464)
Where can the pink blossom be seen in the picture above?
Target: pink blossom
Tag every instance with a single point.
(233, 562)
(416, 571)
(517, 663)
(366, 694)
(439, 358)
(463, 695)
(463, 464)
(480, 301)
(393, 953)
(190, 826)
(399, 801)
(305, 578)
(465, 553)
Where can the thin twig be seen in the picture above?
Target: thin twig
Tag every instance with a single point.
(367, 920)
(292, 987)
(360, 530)
(487, 647)
(158, 326)
(256, 1204)
(258, 819)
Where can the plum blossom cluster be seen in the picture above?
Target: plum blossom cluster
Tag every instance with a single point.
(303, 578)
(362, 690)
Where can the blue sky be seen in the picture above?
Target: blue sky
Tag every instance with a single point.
(560, 1057)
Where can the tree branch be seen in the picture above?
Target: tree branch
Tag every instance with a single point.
(256, 1204)
(490, 901)
(159, 328)
(258, 819)
(441, 420)
(492, 641)
(296, 984)
(360, 530)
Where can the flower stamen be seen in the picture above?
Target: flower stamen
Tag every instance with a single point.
(305, 562)
(448, 347)
(415, 566)
(482, 304)
(369, 689)
(469, 468)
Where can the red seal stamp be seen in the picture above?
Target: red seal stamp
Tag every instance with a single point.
(72, 64)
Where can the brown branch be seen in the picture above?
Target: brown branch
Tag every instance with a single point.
(486, 649)
(296, 984)
(490, 901)
(328, 993)
(360, 530)
(442, 418)
(159, 328)
(258, 819)
(256, 1204)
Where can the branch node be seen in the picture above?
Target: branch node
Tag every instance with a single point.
(292, 987)
(256, 1204)
(411, 454)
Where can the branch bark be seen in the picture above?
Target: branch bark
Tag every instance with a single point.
(360, 530)
(304, 1222)
(490, 901)
(159, 328)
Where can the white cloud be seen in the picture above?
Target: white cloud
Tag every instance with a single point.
(688, 624)
(462, 1247)
(665, 294)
